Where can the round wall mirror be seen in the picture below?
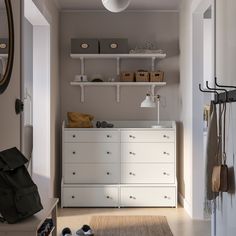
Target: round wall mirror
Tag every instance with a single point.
(6, 43)
(116, 5)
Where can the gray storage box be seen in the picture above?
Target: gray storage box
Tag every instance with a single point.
(114, 46)
(84, 46)
(3, 46)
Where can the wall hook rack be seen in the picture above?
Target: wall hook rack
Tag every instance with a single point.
(226, 96)
(210, 91)
(219, 89)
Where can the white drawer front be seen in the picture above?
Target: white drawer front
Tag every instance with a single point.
(91, 173)
(92, 136)
(147, 152)
(147, 173)
(147, 136)
(148, 196)
(91, 152)
(90, 197)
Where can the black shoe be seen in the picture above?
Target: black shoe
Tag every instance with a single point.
(85, 230)
(66, 232)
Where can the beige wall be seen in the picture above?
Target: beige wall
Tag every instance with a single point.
(138, 28)
(51, 13)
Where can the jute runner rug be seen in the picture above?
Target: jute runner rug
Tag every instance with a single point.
(130, 226)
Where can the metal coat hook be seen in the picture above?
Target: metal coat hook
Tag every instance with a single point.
(223, 86)
(210, 91)
(215, 89)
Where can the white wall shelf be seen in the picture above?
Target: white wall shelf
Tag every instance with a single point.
(117, 57)
(3, 55)
(82, 86)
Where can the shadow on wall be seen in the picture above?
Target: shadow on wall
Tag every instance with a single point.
(180, 159)
(231, 177)
(170, 65)
(170, 46)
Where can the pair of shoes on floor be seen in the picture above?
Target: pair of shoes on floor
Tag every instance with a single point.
(84, 231)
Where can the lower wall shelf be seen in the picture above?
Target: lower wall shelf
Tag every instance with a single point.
(82, 85)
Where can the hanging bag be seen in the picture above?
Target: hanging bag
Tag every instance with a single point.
(220, 172)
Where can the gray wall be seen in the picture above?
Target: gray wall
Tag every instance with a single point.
(138, 28)
(226, 70)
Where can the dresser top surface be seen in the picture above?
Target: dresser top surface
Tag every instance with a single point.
(129, 125)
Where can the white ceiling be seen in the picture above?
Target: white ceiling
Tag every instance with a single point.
(134, 5)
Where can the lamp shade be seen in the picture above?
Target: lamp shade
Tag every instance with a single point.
(116, 5)
(147, 102)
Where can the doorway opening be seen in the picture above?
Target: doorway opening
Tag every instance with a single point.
(36, 90)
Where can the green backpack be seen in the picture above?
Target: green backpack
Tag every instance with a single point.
(19, 196)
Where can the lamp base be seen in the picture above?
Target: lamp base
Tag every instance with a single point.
(157, 126)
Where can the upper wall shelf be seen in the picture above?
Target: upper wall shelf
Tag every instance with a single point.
(82, 85)
(3, 55)
(117, 57)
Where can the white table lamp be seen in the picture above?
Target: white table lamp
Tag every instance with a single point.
(149, 103)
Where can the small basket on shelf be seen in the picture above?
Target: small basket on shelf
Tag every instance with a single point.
(127, 77)
(142, 76)
(157, 76)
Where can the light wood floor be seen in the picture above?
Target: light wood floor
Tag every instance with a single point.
(179, 221)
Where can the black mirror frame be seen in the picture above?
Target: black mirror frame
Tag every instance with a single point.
(7, 75)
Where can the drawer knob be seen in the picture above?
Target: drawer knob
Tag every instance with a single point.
(165, 136)
(166, 197)
(108, 153)
(109, 136)
(73, 197)
(131, 173)
(131, 197)
(131, 136)
(132, 153)
(166, 153)
(73, 173)
(108, 173)
(73, 135)
(108, 197)
(165, 173)
(74, 152)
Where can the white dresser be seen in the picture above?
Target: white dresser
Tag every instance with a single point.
(131, 165)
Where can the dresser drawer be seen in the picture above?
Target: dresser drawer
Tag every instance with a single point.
(148, 196)
(91, 152)
(147, 136)
(147, 152)
(91, 173)
(133, 173)
(92, 136)
(90, 197)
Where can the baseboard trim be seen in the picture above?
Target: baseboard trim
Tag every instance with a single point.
(186, 205)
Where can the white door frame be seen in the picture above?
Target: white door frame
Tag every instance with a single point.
(198, 9)
(41, 160)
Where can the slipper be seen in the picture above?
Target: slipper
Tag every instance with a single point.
(66, 232)
(85, 230)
